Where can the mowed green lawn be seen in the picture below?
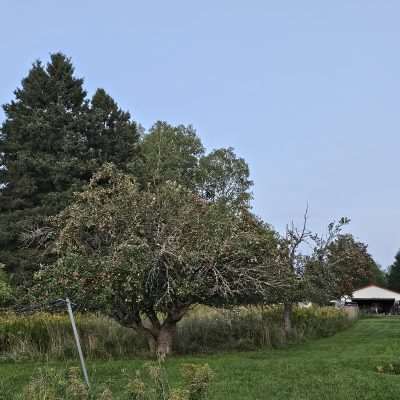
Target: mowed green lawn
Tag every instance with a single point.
(339, 367)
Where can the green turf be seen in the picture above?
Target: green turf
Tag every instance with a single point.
(340, 367)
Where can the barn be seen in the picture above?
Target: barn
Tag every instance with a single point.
(377, 300)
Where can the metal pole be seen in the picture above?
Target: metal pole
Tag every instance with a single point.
(78, 344)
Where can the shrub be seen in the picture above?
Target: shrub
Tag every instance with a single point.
(52, 384)
(197, 378)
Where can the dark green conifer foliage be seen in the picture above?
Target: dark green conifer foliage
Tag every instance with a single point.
(393, 276)
(51, 142)
(112, 136)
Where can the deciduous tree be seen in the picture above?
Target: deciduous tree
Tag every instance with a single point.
(175, 153)
(352, 265)
(146, 256)
(224, 177)
(170, 153)
(304, 261)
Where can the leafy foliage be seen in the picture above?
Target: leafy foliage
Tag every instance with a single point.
(304, 259)
(54, 138)
(333, 265)
(170, 154)
(224, 177)
(176, 154)
(134, 253)
(352, 265)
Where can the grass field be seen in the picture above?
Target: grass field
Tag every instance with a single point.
(339, 367)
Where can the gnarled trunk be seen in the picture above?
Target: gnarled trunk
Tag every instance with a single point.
(287, 318)
(160, 334)
(160, 340)
(165, 340)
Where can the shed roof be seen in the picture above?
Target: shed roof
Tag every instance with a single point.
(376, 293)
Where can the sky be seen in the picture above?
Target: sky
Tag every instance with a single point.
(306, 91)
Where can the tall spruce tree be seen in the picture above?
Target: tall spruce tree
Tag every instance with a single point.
(112, 136)
(51, 142)
(393, 276)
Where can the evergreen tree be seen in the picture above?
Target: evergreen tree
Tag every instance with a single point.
(112, 136)
(393, 277)
(51, 143)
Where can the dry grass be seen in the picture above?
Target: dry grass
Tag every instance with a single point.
(47, 336)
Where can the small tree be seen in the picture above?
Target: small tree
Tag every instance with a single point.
(145, 257)
(304, 260)
(323, 268)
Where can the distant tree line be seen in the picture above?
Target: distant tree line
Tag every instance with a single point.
(141, 224)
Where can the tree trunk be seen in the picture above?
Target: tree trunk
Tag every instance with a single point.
(165, 340)
(287, 318)
(160, 341)
(151, 341)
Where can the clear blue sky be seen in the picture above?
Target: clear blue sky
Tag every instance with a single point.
(306, 91)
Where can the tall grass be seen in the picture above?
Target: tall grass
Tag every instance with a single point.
(49, 336)
(250, 328)
(46, 336)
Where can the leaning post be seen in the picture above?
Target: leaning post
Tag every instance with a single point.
(77, 341)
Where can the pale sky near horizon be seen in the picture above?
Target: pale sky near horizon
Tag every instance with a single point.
(306, 91)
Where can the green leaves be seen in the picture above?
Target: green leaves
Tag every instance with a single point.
(135, 252)
(351, 264)
(170, 153)
(224, 177)
(176, 154)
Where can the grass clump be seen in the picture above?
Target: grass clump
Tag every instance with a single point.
(52, 384)
(149, 383)
(389, 368)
